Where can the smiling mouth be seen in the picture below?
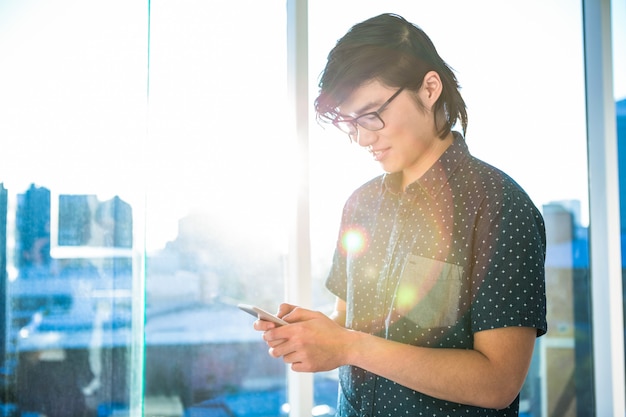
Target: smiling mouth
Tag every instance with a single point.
(378, 154)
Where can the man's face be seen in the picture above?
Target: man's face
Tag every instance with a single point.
(408, 142)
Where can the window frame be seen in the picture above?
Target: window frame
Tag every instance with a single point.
(604, 211)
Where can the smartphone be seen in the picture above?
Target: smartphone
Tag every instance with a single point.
(261, 314)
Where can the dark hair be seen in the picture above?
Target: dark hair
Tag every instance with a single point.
(395, 52)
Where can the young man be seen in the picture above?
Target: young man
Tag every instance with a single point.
(439, 307)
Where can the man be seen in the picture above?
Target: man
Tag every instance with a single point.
(439, 305)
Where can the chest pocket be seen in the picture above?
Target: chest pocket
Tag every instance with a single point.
(428, 292)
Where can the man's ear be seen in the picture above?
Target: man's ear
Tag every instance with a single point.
(431, 88)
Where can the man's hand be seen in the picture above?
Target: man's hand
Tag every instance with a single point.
(312, 342)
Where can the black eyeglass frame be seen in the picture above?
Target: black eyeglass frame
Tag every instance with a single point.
(345, 124)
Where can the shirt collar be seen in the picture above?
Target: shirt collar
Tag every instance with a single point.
(437, 175)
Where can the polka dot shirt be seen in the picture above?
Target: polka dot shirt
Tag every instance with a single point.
(459, 251)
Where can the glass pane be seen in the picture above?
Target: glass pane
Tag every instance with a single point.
(619, 79)
(525, 105)
(218, 204)
(72, 123)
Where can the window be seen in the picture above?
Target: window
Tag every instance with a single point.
(219, 194)
(147, 188)
(72, 107)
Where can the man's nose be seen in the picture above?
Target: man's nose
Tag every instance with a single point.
(365, 137)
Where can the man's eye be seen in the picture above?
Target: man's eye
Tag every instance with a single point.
(369, 117)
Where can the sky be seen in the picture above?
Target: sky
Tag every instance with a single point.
(212, 136)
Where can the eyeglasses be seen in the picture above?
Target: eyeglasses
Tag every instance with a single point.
(370, 121)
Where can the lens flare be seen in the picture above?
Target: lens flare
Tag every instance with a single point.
(353, 241)
(407, 297)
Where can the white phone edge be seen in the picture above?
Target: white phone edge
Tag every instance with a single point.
(261, 314)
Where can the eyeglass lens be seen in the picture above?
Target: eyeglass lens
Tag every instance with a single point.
(370, 121)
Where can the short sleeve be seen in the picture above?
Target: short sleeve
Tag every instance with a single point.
(508, 276)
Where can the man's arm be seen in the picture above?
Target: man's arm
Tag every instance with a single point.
(490, 375)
